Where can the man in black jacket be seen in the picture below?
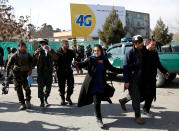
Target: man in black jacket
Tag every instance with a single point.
(151, 64)
(133, 62)
(65, 72)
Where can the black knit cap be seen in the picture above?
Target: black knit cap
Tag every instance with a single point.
(44, 41)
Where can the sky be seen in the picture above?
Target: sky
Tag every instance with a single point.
(57, 12)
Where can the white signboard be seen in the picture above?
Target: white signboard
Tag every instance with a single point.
(86, 20)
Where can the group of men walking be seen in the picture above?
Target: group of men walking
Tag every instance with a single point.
(45, 59)
(140, 70)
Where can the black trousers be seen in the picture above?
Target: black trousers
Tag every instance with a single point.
(44, 79)
(20, 82)
(135, 96)
(97, 105)
(149, 95)
(63, 78)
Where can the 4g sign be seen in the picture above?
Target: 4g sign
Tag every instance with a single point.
(84, 20)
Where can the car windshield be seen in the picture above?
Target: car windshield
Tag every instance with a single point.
(128, 48)
(116, 51)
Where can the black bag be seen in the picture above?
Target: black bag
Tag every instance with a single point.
(109, 90)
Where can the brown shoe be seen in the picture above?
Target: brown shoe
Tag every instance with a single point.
(123, 106)
(139, 120)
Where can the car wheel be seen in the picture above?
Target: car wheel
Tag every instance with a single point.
(171, 77)
(160, 79)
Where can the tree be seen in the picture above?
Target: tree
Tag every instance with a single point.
(46, 31)
(113, 29)
(12, 29)
(57, 30)
(176, 28)
(161, 33)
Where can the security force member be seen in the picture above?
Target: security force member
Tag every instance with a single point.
(22, 62)
(44, 58)
(65, 72)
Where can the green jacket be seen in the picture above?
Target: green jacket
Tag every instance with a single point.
(38, 59)
(20, 62)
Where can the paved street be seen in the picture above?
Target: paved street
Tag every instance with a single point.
(71, 118)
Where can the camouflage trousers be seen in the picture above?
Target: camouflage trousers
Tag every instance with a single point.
(20, 82)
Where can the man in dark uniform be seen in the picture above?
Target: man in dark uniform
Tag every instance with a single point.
(151, 64)
(44, 58)
(10, 77)
(132, 74)
(65, 72)
(22, 62)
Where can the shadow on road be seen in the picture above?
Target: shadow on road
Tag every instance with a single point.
(33, 125)
(172, 85)
(164, 120)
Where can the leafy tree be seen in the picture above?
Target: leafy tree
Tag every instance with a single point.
(46, 31)
(113, 29)
(11, 28)
(161, 33)
(57, 30)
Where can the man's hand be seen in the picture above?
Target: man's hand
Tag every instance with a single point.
(75, 63)
(126, 85)
(6, 78)
(167, 75)
(29, 73)
(47, 48)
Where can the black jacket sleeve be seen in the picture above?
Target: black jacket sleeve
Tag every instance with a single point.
(126, 67)
(112, 68)
(159, 65)
(83, 64)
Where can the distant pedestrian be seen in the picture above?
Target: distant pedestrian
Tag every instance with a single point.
(1, 60)
(88, 51)
(8, 50)
(79, 58)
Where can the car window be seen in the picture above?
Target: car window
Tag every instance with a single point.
(127, 48)
(115, 51)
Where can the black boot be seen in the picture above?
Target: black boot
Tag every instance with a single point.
(100, 123)
(69, 100)
(22, 107)
(63, 100)
(46, 102)
(42, 102)
(109, 100)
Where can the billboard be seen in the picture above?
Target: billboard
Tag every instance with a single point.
(86, 20)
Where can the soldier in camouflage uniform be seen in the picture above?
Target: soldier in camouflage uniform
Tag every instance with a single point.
(22, 62)
(44, 58)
